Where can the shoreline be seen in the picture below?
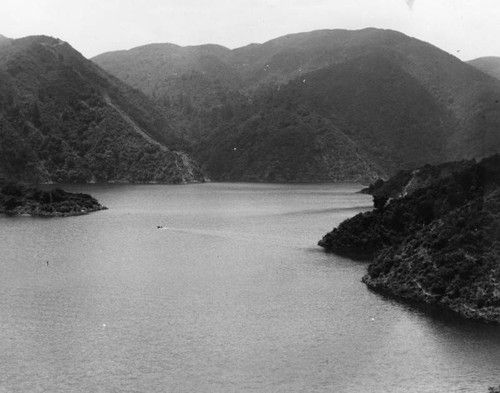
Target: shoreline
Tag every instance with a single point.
(19, 199)
(38, 213)
(415, 299)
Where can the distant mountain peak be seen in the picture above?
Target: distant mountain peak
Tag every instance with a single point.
(488, 64)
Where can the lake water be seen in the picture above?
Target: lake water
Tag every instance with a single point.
(233, 295)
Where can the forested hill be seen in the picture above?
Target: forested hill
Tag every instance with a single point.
(434, 237)
(489, 65)
(63, 119)
(321, 106)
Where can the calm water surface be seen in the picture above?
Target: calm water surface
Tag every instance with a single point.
(233, 295)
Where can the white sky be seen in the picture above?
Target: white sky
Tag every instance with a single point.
(465, 28)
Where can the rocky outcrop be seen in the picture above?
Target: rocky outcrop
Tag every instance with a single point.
(407, 181)
(21, 199)
(437, 244)
(452, 263)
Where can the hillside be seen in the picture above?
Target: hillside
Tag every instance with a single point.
(188, 83)
(438, 242)
(63, 119)
(4, 40)
(368, 103)
(489, 65)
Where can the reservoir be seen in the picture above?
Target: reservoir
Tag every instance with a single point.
(231, 294)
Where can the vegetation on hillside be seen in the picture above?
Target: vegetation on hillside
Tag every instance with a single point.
(62, 119)
(17, 198)
(321, 106)
(439, 243)
(284, 144)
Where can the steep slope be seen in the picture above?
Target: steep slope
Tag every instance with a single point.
(400, 103)
(439, 243)
(283, 143)
(63, 119)
(489, 65)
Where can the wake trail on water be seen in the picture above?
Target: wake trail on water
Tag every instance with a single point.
(268, 240)
(328, 210)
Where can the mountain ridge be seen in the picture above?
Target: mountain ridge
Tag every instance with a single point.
(63, 120)
(430, 108)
